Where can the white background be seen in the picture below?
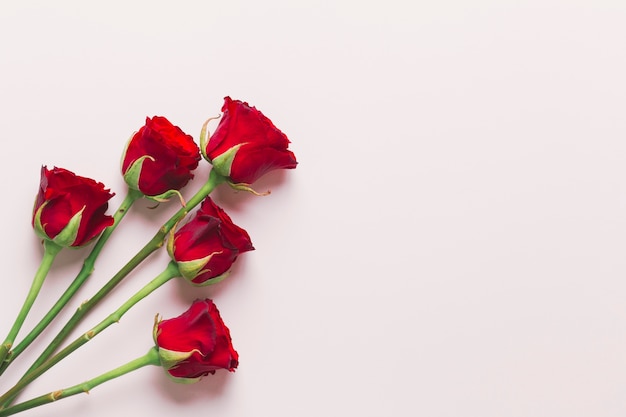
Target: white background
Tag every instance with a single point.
(451, 244)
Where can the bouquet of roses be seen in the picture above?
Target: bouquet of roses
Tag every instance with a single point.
(70, 211)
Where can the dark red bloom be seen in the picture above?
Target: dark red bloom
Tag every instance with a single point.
(206, 247)
(246, 144)
(196, 343)
(159, 158)
(70, 210)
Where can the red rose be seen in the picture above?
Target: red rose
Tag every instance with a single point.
(246, 144)
(206, 247)
(70, 210)
(159, 158)
(195, 344)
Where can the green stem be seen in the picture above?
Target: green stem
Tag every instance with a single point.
(50, 252)
(85, 272)
(155, 243)
(170, 272)
(151, 358)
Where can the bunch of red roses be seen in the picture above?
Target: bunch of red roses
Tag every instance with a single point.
(70, 211)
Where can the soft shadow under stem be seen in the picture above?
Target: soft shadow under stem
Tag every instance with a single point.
(151, 358)
(51, 250)
(170, 272)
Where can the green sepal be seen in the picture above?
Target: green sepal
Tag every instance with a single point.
(39, 229)
(131, 176)
(192, 269)
(162, 198)
(210, 281)
(170, 358)
(242, 186)
(204, 137)
(224, 162)
(183, 380)
(155, 327)
(65, 237)
(170, 242)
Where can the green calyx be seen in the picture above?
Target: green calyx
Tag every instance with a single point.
(204, 137)
(179, 380)
(170, 358)
(190, 270)
(246, 187)
(223, 163)
(39, 230)
(162, 198)
(132, 174)
(212, 281)
(67, 236)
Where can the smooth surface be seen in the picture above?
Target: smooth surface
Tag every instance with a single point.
(451, 244)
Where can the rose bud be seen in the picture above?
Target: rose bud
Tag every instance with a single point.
(70, 210)
(195, 344)
(159, 158)
(246, 144)
(206, 247)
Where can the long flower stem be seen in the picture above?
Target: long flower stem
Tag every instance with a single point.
(170, 272)
(85, 272)
(151, 358)
(155, 243)
(50, 252)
